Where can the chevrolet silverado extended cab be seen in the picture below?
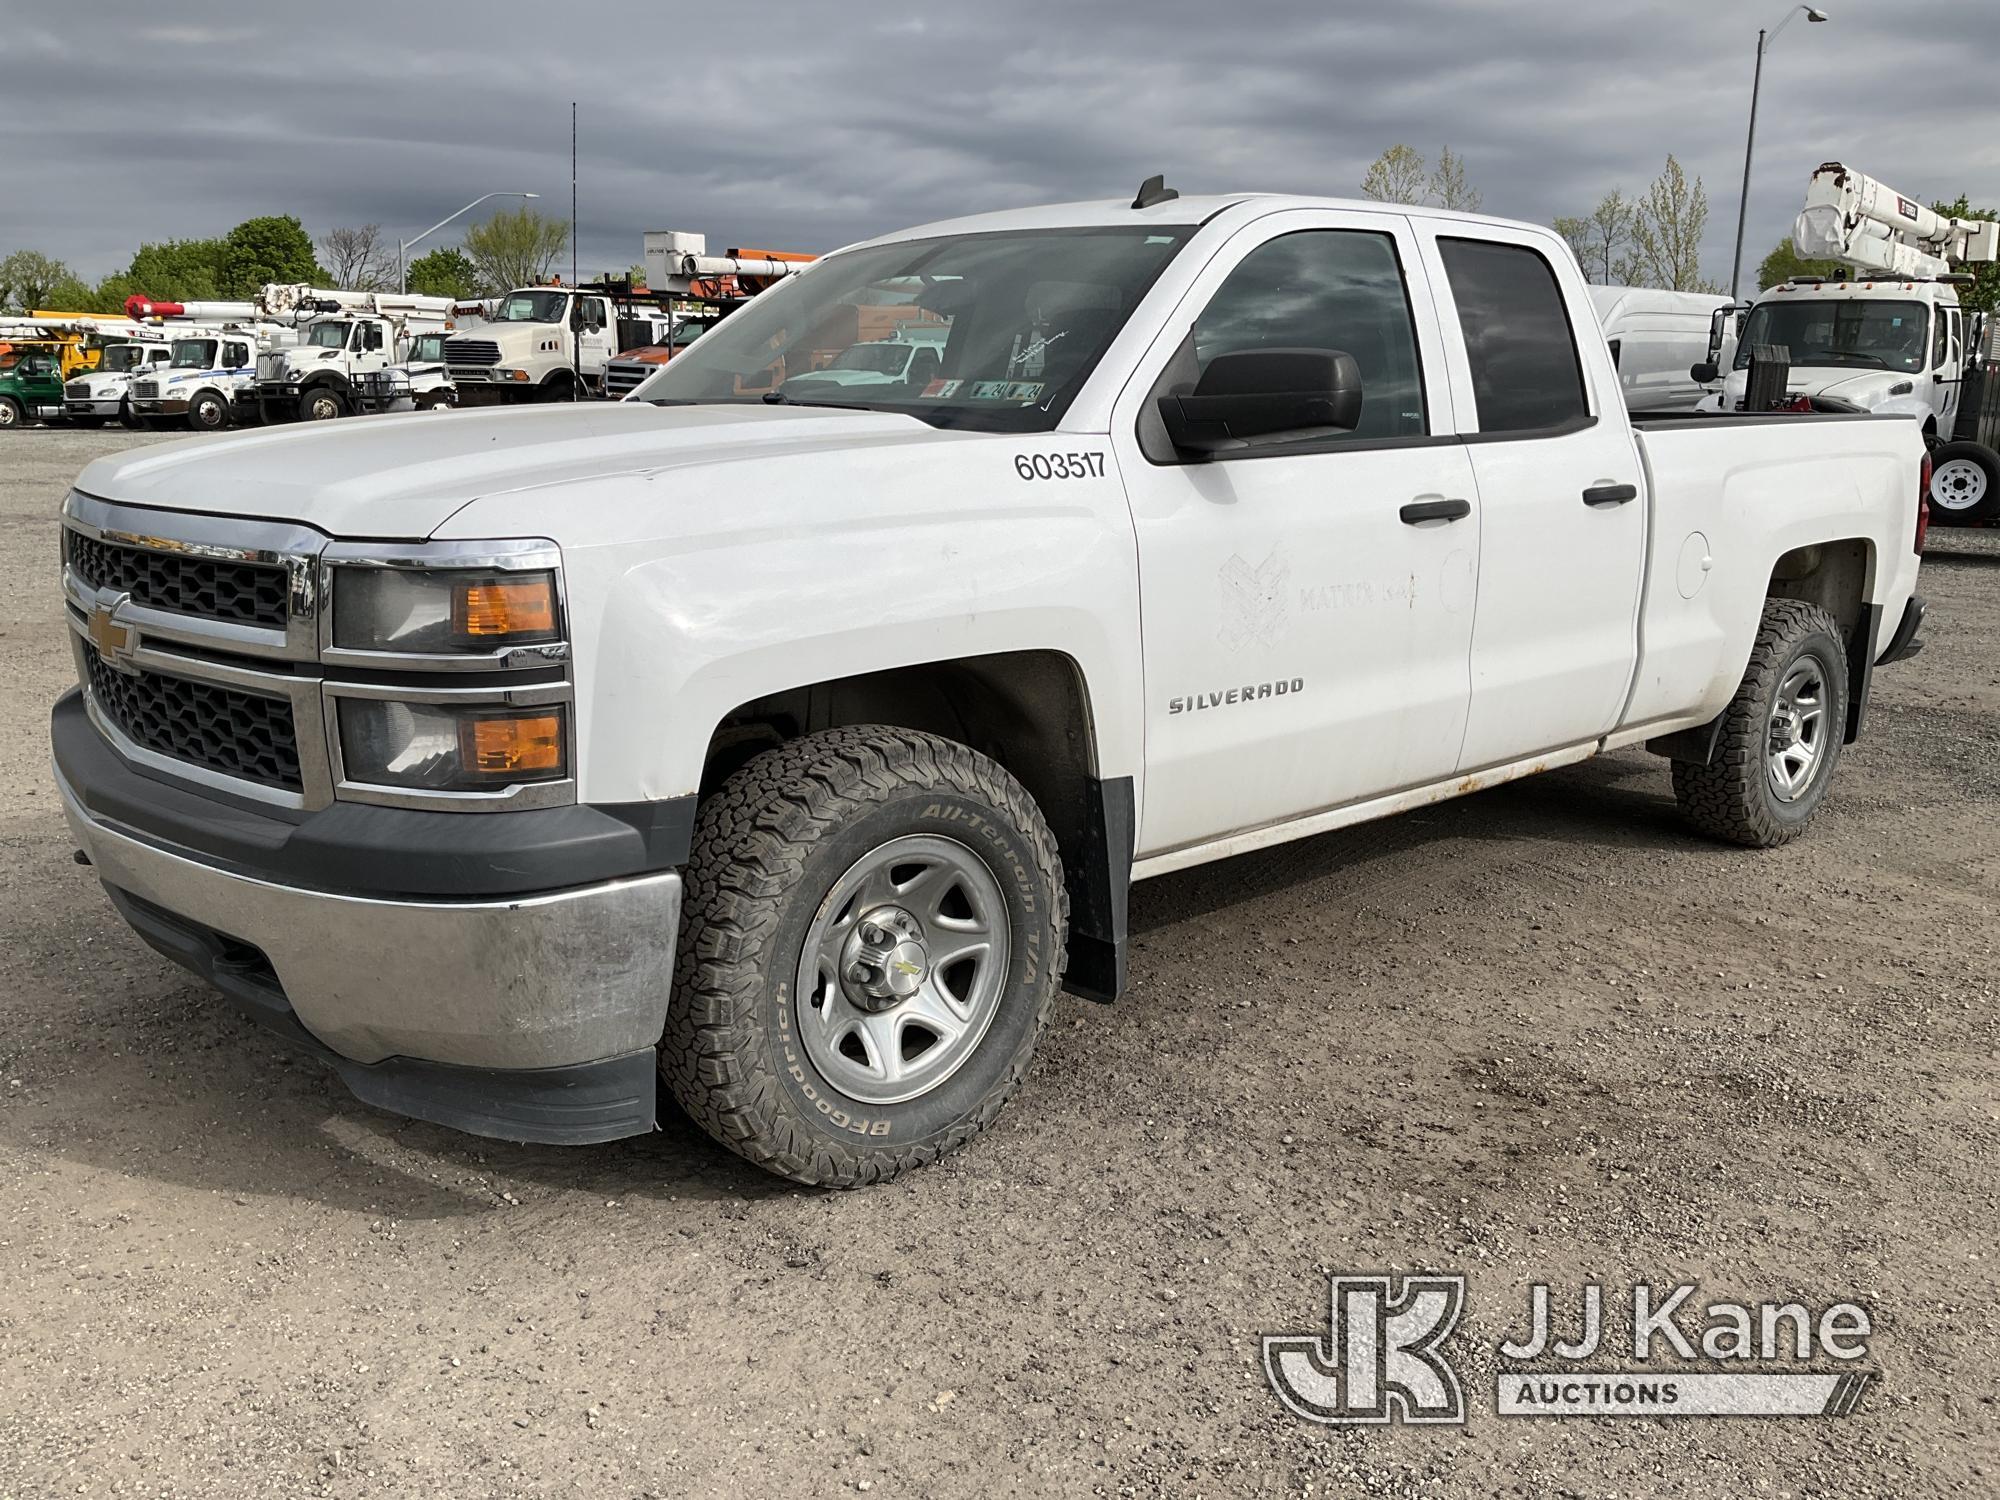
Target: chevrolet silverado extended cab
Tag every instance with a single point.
(786, 752)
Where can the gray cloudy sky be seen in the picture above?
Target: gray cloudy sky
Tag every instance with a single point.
(807, 123)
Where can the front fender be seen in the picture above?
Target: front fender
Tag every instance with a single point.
(695, 590)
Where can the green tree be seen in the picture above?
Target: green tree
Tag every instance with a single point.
(273, 248)
(1603, 241)
(1448, 187)
(1784, 262)
(1984, 293)
(179, 270)
(516, 247)
(27, 277)
(444, 273)
(1398, 175)
(1667, 226)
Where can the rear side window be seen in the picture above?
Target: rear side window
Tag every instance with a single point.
(236, 355)
(1525, 371)
(1327, 289)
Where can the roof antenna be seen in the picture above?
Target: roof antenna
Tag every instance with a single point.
(1154, 190)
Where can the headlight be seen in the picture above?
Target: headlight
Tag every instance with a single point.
(443, 612)
(444, 748)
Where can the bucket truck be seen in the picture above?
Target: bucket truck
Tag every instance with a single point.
(322, 352)
(1888, 336)
(678, 263)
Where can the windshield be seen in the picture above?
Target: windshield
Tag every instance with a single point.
(1839, 331)
(328, 335)
(531, 307)
(193, 354)
(121, 357)
(686, 333)
(877, 358)
(428, 346)
(1007, 326)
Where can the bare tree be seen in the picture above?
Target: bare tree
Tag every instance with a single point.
(358, 259)
(1448, 187)
(1577, 233)
(1667, 226)
(1396, 176)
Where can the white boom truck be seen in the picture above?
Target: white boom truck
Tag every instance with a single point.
(209, 379)
(1889, 339)
(355, 352)
(788, 751)
(101, 395)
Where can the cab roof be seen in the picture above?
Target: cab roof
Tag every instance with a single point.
(1186, 212)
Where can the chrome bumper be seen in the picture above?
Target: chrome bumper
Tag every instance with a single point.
(528, 982)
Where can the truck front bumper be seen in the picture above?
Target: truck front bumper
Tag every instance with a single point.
(161, 406)
(92, 406)
(529, 1017)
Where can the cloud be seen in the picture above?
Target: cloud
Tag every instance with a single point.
(808, 125)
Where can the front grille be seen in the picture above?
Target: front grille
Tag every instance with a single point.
(219, 728)
(146, 388)
(477, 352)
(245, 593)
(621, 379)
(77, 390)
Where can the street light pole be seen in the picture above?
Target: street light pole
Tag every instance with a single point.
(403, 246)
(1764, 40)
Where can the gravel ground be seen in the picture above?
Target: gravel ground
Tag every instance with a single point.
(1540, 1034)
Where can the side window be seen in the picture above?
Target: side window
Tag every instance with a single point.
(1327, 289)
(1525, 371)
(1940, 340)
(235, 356)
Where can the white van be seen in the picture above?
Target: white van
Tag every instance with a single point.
(1655, 338)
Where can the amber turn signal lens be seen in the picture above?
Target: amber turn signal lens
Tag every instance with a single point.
(493, 608)
(522, 745)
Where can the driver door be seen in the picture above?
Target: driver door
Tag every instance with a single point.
(1307, 608)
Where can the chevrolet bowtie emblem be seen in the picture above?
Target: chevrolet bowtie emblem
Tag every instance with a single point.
(114, 640)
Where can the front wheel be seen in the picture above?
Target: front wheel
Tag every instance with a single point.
(208, 413)
(321, 405)
(869, 948)
(129, 419)
(1781, 734)
(1965, 483)
(10, 412)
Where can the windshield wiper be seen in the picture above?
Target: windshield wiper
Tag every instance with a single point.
(776, 397)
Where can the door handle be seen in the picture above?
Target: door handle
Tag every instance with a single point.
(1610, 494)
(1419, 511)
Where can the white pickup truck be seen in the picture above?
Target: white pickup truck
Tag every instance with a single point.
(789, 751)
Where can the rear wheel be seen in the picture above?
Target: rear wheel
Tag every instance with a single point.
(321, 404)
(869, 949)
(1781, 734)
(1965, 483)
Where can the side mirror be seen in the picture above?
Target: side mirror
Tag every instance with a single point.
(1705, 373)
(1265, 393)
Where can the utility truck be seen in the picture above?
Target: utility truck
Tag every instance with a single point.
(355, 350)
(787, 751)
(208, 381)
(1890, 337)
(94, 397)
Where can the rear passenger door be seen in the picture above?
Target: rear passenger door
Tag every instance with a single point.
(1562, 535)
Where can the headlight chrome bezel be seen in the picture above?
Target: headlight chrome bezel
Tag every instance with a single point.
(427, 677)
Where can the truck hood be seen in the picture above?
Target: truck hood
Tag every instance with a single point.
(402, 477)
(1866, 389)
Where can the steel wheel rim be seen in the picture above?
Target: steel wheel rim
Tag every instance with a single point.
(1958, 484)
(902, 970)
(1798, 732)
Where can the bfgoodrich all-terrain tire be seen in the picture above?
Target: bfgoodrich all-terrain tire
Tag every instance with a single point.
(870, 945)
(1781, 734)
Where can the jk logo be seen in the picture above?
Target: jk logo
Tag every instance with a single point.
(1381, 1347)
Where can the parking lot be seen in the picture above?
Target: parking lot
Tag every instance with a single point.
(1542, 1034)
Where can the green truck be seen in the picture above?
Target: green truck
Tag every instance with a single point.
(30, 387)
